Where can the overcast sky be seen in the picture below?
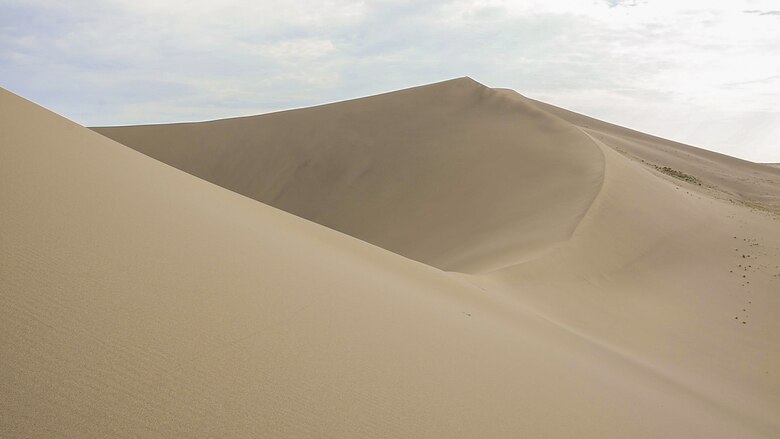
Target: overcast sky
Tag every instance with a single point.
(705, 72)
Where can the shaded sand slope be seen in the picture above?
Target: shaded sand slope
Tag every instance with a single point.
(453, 174)
(165, 306)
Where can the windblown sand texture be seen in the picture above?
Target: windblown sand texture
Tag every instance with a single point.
(444, 261)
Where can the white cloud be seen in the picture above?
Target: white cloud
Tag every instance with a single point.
(698, 71)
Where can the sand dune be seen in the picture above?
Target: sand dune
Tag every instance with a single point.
(138, 300)
(424, 172)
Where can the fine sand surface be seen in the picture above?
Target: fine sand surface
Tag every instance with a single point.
(600, 282)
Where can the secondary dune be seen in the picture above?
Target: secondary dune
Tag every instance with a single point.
(625, 300)
(720, 175)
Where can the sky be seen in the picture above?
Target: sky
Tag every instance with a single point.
(704, 72)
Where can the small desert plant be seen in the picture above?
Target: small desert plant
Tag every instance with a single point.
(678, 174)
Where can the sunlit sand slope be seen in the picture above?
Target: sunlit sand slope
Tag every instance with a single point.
(139, 301)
